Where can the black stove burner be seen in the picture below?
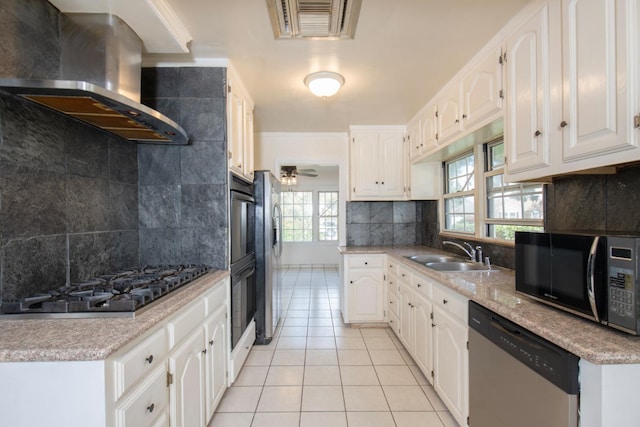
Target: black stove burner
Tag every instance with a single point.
(125, 291)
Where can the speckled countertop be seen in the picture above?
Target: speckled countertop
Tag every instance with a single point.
(495, 290)
(28, 340)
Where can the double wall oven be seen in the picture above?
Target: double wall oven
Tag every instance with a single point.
(243, 259)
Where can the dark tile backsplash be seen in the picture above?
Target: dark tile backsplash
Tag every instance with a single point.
(183, 190)
(383, 223)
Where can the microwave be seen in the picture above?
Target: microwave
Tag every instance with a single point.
(593, 276)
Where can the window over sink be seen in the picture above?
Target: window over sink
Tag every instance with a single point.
(484, 205)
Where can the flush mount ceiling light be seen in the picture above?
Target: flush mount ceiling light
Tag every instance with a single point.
(324, 83)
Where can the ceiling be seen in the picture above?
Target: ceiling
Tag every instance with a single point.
(404, 51)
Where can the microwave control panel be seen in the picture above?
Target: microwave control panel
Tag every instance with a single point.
(622, 277)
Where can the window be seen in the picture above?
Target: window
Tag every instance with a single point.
(504, 209)
(297, 216)
(459, 197)
(306, 214)
(510, 206)
(327, 215)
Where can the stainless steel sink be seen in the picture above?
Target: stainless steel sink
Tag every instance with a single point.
(457, 266)
(426, 259)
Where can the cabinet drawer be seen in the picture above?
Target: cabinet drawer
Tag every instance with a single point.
(393, 303)
(216, 297)
(182, 325)
(451, 302)
(139, 361)
(422, 285)
(364, 261)
(147, 404)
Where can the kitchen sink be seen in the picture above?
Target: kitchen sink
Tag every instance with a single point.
(426, 259)
(457, 266)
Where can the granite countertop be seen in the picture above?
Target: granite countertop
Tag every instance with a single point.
(495, 290)
(29, 340)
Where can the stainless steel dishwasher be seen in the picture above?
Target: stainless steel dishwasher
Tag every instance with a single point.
(517, 378)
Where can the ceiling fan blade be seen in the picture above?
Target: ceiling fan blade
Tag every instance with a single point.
(306, 170)
(313, 175)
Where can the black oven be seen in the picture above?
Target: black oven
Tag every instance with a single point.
(243, 260)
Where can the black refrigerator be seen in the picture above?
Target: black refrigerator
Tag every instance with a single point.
(268, 241)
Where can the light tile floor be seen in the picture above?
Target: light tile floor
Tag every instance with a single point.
(319, 372)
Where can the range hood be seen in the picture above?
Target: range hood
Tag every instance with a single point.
(100, 68)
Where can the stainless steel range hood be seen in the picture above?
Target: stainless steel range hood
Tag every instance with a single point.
(100, 70)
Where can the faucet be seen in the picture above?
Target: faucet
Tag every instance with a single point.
(471, 252)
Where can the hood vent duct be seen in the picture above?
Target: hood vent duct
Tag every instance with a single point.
(100, 74)
(314, 19)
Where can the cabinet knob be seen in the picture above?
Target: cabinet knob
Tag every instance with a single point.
(464, 116)
(538, 133)
(419, 285)
(351, 281)
(390, 302)
(151, 407)
(376, 182)
(382, 183)
(457, 121)
(409, 304)
(149, 359)
(402, 274)
(211, 343)
(563, 124)
(366, 263)
(204, 351)
(444, 301)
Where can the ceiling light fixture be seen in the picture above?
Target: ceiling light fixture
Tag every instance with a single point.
(324, 83)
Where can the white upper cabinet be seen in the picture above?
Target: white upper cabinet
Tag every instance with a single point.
(532, 73)
(449, 114)
(239, 127)
(482, 90)
(595, 59)
(414, 139)
(572, 89)
(377, 161)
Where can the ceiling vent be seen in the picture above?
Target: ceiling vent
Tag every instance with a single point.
(314, 19)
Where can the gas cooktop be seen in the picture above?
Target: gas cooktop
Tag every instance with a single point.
(122, 294)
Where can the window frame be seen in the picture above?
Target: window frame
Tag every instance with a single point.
(448, 196)
(481, 201)
(315, 215)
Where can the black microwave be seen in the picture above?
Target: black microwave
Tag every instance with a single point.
(593, 276)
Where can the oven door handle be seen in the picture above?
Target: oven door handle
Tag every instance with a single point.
(243, 274)
(591, 268)
(236, 195)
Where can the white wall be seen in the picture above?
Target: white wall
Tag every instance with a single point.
(273, 150)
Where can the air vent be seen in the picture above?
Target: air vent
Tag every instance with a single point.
(314, 19)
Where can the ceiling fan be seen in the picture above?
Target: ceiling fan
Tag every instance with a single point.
(289, 174)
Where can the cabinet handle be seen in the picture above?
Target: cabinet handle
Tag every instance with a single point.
(457, 121)
(151, 407)
(464, 116)
(538, 133)
(149, 359)
(563, 124)
(444, 301)
(204, 351)
(366, 263)
(419, 285)
(211, 343)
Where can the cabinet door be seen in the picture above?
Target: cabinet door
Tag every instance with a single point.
(216, 358)
(186, 364)
(414, 139)
(405, 297)
(391, 164)
(235, 129)
(482, 89)
(532, 72)
(429, 129)
(423, 335)
(451, 364)
(365, 180)
(450, 114)
(366, 295)
(595, 45)
(248, 140)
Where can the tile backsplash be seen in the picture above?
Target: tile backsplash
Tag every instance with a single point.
(384, 223)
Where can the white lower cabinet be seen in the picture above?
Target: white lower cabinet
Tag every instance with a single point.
(186, 366)
(216, 359)
(450, 351)
(363, 289)
(147, 405)
(433, 329)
